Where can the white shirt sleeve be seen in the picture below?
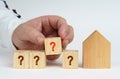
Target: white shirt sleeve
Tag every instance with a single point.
(8, 23)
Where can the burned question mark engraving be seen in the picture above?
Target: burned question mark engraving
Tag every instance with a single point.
(21, 59)
(71, 58)
(37, 59)
(53, 44)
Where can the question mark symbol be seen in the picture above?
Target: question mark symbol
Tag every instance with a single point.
(71, 58)
(21, 59)
(53, 44)
(37, 59)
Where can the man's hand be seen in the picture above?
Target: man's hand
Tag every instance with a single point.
(31, 34)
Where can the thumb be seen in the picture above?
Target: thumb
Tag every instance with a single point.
(35, 36)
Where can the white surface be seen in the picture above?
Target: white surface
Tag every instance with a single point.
(53, 71)
(85, 16)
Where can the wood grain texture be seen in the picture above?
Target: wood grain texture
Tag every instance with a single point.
(37, 59)
(96, 51)
(50, 49)
(21, 59)
(70, 59)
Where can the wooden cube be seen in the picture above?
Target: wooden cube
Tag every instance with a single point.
(21, 59)
(37, 59)
(96, 51)
(53, 46)
(70, 59)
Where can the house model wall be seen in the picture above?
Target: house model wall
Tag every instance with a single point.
(96, 51)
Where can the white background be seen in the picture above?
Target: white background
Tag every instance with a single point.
(85, 16)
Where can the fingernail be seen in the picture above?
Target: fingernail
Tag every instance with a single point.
(39, 39)
(66, 42)
(62, 33)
